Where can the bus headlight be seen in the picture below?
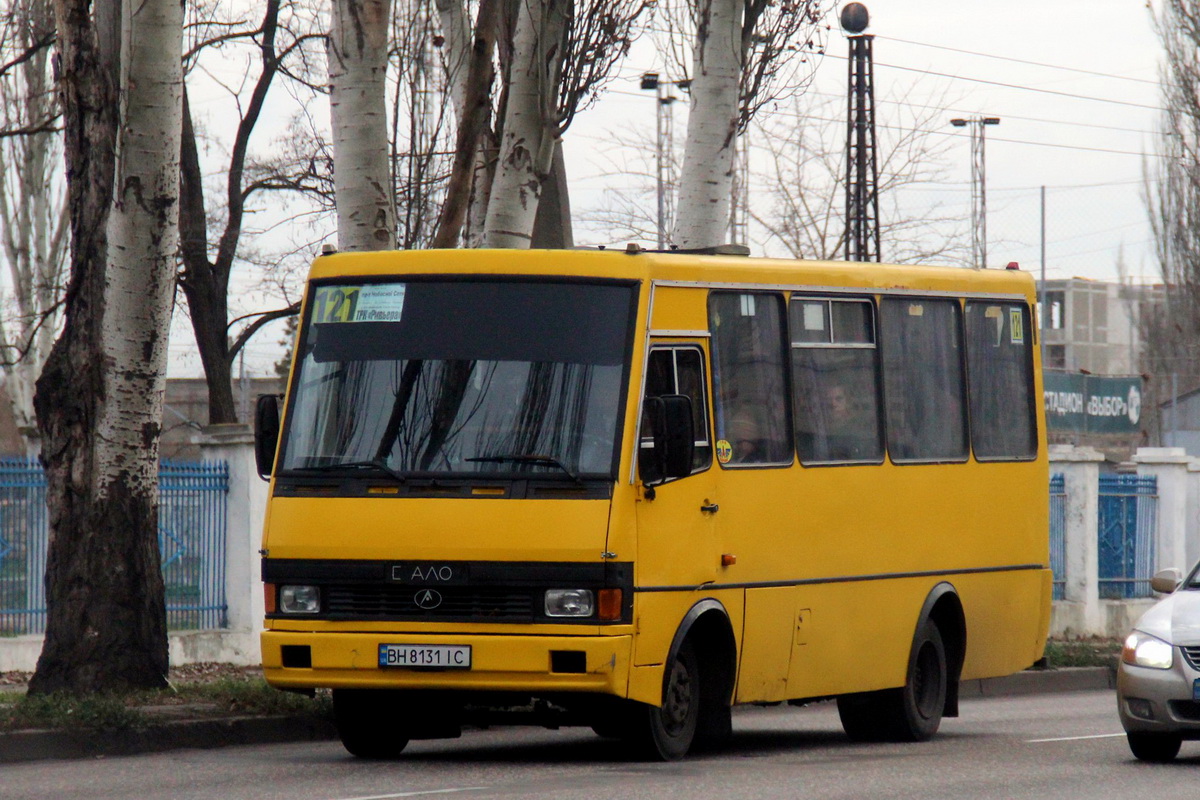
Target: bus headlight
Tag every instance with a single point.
(299, 599)
(1144, 650)
(569, 602)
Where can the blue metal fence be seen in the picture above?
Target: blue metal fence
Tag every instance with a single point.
(1127, 526)
(1058, 534)
(191, 538)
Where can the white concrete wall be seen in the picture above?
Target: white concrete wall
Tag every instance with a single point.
(1079, 613)
(1177, 542)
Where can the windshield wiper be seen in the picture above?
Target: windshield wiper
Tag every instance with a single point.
(526, 458)
(375, 463)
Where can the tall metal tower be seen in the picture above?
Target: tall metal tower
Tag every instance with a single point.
(979, 238)
(862, 171)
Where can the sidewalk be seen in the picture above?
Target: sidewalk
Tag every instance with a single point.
(195, 726)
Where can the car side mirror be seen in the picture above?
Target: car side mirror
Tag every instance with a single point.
(1166, 581)
(266, 433)
(669, 418)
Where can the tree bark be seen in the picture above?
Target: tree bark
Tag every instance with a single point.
(99, 400)
(706, 180)
(530, 125)
(357, 55)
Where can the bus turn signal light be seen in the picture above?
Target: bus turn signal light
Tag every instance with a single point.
(269, 597)
(610, 604)
(728, 560)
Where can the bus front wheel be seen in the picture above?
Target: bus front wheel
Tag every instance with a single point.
(666, 732)
(911, 713)
(366, 722)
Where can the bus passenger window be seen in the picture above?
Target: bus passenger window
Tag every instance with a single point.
(679, 370)
(923, 379)
(835, 376)
(1000, 377)
(749, 379)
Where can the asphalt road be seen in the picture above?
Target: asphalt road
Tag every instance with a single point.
(1061, 746)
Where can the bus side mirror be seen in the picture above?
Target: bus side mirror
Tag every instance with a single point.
(266, 433)
(669, 418)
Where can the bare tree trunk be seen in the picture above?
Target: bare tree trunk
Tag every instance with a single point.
(205, 274)
(530, 124)
(32, 211)
(357, 56)
(472, 93)
(99, 400)
(706, 180)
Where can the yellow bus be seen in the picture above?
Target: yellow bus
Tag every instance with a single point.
(633, 489)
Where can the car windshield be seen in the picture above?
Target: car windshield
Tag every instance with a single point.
(1192, 581)
(460, 377)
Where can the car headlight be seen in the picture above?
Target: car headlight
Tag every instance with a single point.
(1144, 650)
(299, 599)
(569, 602)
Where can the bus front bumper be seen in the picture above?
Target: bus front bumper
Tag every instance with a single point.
(598, 664)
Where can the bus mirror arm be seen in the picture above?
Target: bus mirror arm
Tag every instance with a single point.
(266, 433)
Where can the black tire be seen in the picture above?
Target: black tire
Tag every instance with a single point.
(860, 716)
(366, 722)
(1157, 748)
(666, 732)
(911, 713)
(924, 693)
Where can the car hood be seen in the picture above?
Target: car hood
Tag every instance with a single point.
(1175, 618)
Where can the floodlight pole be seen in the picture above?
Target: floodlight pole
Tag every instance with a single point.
(662, 148)
(979, 239)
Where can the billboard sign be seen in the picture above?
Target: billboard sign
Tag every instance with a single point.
(1077, 403)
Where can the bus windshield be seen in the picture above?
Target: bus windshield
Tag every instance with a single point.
(461, 377)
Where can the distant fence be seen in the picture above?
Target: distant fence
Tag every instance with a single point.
(1058, 534)
(1127, 530)
(191, 540)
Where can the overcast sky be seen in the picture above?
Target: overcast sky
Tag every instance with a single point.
(1080, 135)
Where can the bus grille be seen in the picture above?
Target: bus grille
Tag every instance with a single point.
(452, 602)
(1192, 654)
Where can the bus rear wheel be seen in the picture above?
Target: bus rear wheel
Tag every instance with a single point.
(911, 713)
(666, 732)
(367, 721)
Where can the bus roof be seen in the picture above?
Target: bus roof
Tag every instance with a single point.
(711, 270)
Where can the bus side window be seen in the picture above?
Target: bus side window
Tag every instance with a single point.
(923, 379)
(678, 371)
(750, 378)
(835, 373)
(1000, 375)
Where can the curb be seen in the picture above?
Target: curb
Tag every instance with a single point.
(1041, 681)
(37, 745)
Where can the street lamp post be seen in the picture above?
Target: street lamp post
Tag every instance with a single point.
(977, 126)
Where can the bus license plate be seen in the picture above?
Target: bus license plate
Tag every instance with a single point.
(429, 656)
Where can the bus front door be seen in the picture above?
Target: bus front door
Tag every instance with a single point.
(676, 519)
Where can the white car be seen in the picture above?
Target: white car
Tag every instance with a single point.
(1158, 679)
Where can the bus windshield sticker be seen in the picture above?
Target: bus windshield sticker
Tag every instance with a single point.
(1016, 324)
(335, 303)
(381, 302)
(724, 451)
